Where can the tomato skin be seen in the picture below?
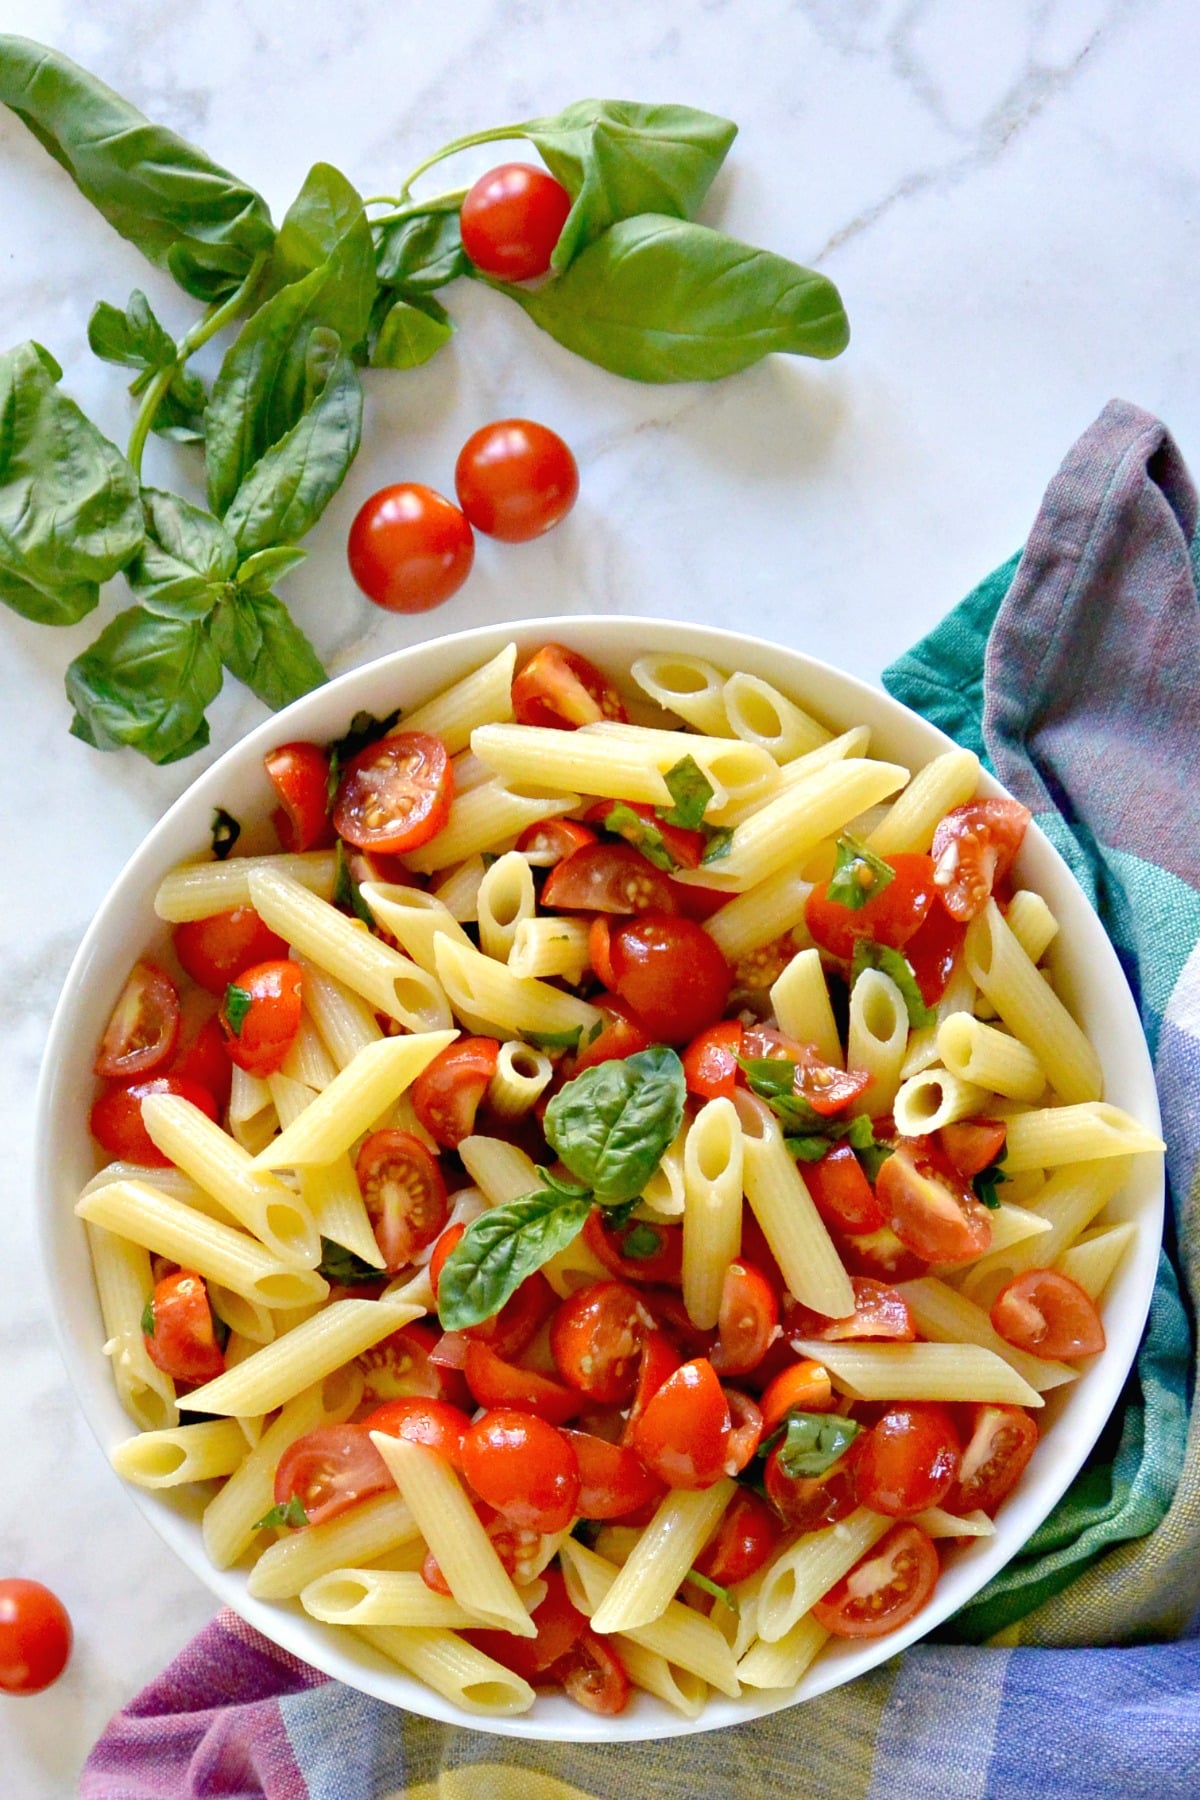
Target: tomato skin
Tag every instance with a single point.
(548, 841)
(932, 950)
(608, 878)
(972, 1145)
(143, 1029)
(909, 1459)
(511, 219)
(803, 1386)
(495, 1382)
(441, 1250)
(214, 950)
(595, 1337)
(299, 773)
(329, 1470)
(447, 1093)
(35, 1636)
(930, 1207)
(404, 1192)
(402, 1367)
(890, 917)
(563, 690)
(685, 848)
(745, 1539)
(905, 1566)
(973, 848)
(612, 1482)
(999, 1443)
(745, 1431)
(807, 1502)
(841, 1192)
(683, 1435)
(710, 1062)
(880, 1314)
(523, 1467)
(203, 1062)
(116, 1124)
(608, 1245)
(1045, 1313)
(409, 548)
(880, 1255)
(264, 1036)
(396, 794)
(515, 479)
(746, 1324)
(828, 1090)
(559, 1623)
(672, 974)
(514, 1327)
(658, 1362)
(593, 1675)
(432, 1422)
(183, 1343)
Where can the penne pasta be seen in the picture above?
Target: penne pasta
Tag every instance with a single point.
(353, 1102)
(506, 900)
(369, 1531)
(1053, 1135)
(677, 1633)
(798, 1575)
(760, 714)
(161, 1459)
(646, 1584)
(124, 1285)
(712, 1214)
(453, 1668)
(947, 781)
(946, 1317)
(197, 890)
(989, 1058)
(333, 1336)
(484, 697)
(800, 1000)
(791, 1224)
(921, 1372)
(1030, 1009)
(687, 685)
(488, 817)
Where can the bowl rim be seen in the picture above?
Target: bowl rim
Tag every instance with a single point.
(553, 1718)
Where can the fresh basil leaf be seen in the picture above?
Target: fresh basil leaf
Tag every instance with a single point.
(184, 213)
(723, 1594)
(986, 1183)
(554, 1040)
(341, 1266)
(807, 1148)
(720, 841)
(409, 334)
(643, 834)
(289, 1513)
(501, 1248)
(148, 1320)
(180, 414)
(768, 1076)
(659, 299)
(870, 955)
(346, 891)
(421, 252)
(691, 791)
(185, 561)
(612, 1123)
(641, 1242)
(810, 1443)
(69, 510)
(617, 158)
(226, 830)
(796, 1115)
(145, 684)
(238, 1001)
(858, 874)
(136, 340)
(259, 573)
(325, 229)
(259, 642)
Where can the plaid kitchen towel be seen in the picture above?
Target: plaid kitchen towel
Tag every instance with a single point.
(1075, 671)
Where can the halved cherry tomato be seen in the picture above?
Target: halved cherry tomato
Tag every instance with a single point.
(446, 1094)
(559, 1623)
(683, 1434)
(909, 1459)
(890, 917)
(143, 1029)
(600, 950)
(428, 1421)
(685, 848)
(803, 1386)
(518, 1548)
(672, 974)
(747, 1320)
(931, 1208)
(409, 548)
(515, 1326)
(932, 951)
(807, 1502)
(622, 1036)
(548, 841)
(495, 1382)
(885, 1588)
(1045, 1313)
(658, 1362)
(299, 774)
(404, 1193)
(213, 950)
(637, 1251)
(828, 1090)
(561, 689)
(115, 1120)
(710, 1062)
(612, 1482)
(744, 1540)
(395, 795)
(511, 219)
(202, 1059)
(441, 1250)
(745, 1430)
(608, 878)
(402, 1366)
(880, 1313)
(183, 1343)
(35, 1636)
(268, 1021)
(1000, 1441)
(973, 1144)
(515, 479)
(523, 1467)
(699, 903)
(329, 1470)
(596, 1336)
(881, 1255)
(973, 847)
(593, 1675)
(841, 1192)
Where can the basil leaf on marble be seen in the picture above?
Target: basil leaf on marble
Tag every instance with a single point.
(258, 641)
(135, 339)
(186, 561)
(410, 332)
(145, 684)
(419, 252)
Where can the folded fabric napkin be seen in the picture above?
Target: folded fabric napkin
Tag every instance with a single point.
(1074, 671)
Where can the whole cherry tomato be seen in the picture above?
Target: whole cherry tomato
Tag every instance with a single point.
(515, 480)
(395, 794)
(511, 219)
(260, 1015)
(410, 548)
(672, 974)
(35, 1636)
(213, 950)
(523, 1467)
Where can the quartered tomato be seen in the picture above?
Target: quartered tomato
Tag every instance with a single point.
(808, 1502)
(633, 819)
(396, 794)
(561, 689)
(260, 1015)
(932, 951)
(143, 1029)
(404, 1193)
(1045, 1313)
(803, 1386)
(116, 1124)
(299, 773)
(973, 848)
(329, 1470)
(612, 1482)
(841, 1192)
(608, 878)
(744, 1540)
(828, 1090)
(511, 219)
(523, 1467)
(890, 917)
(973, 1144)
(880, 1314)
(447, 1093)
(621, 1036)
(745, 1430)
(596, 1336)
(710, 1062)
(559, 1623)
(183, 1343)
(658, 1362)
(671, 973)
(909, 1460)
(402, 1367)
(214, 950)
(999, 1442)
(881, 1255)
(637, 1251)
(429, 1421)
(593, 1675)
(885, 1589)
(35, 1636)
(495, 1382)
(931, 1208)
(683, 1434)
(548, 841)
(747, 1321)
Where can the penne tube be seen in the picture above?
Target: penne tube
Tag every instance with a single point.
(800, 1002)
(712, 1215)
(944, 1316)
(781, 1664)
(414, 918)
(877, 1039)
(513, 1006)
(989, 1058)
(481, 698)
(333, 1336)
(935, 1097)
(663, 1196)
(453, 1668)
(738, 772)
(760, 714)
(1032, 923)
(682, 1525)
(252, 1322)
(1093, 1259)
(506, 899)
(791, 1224)
(1071, 1198)
(488, 817)
(936, 1523)
(763, 913)
(197, 890)
(805, 1570)
(677, 1632)
(125, 1285)
(921, 1372)
(948, 781)
(381, 1597)
(853, 743)
(161, 1459)
(252, 1121)
(458, 891)
(353, 1102)
(308, 1061)
(681, 1690)
(1030, 1008)
(687, 685)
(1053, 1135)
(550, 946)
(521, 1076)
(370, 1530)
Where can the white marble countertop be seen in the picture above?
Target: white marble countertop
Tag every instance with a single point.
(1006, 195)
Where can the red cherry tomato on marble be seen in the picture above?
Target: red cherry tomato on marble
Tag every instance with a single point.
(1045, 1313)
(710, 1062)
(299, 773)
(744, 1540)
(213, 950)
(35, 1636)
(596, 1336)
(183, 1343)
(511, 219)
(515, 479)
(999, 1442)
(608, 878)
(404, 1193)
(447, 1093)
(115, 1120)
(410, 548)
(683, 1434)
(671, 973)
(260, 1015)
(746, 1324)
(890, 917)
(909, 1459)
(143, 1029)
(563, 690)
(931, 1208)
(395, 795)
(612, 1482)
(973, 848)
(523, 1467)
(885, 1588)
(329, 1470)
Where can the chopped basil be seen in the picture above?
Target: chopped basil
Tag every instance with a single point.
(488, 857)
(238, 1002)
(554, 1040)
(340, 1265)
(986, 1183)
(346, 891)
(712, 1587)
(690, 790)
(643, 834)
(858, 874)
(288, 1512)
(768, 1076)
(720, 838)
(148, 1318)
(870, 955)
(810, 1443)
(808, 1148)
(812, 1144)
(641, 1242)
(225, 832)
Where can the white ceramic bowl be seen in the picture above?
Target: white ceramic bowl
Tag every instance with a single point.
(1091, 978)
